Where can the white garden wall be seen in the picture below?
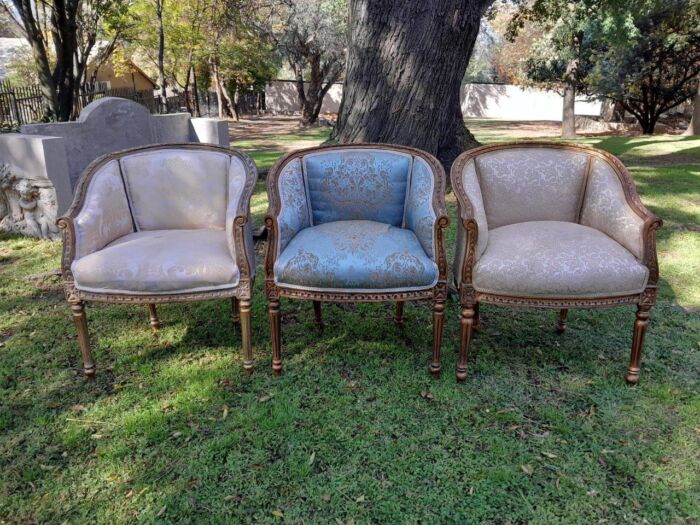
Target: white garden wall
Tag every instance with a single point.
(500, 101)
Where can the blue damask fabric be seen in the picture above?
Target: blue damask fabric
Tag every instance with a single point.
(294, 214)
(420, 216)
(357, 255)
(357, 184)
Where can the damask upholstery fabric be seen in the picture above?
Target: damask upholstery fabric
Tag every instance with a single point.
(605, 208)
(470, 183)
(105, 214)
(550, 259)
(355, 255)
(419, 214)
(159, 262)
(362, 184)
(531, 184)
(294, 214)
(177, 188)
(237, 179)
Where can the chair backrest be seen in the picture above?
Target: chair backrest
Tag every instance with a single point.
(352, 182)
(181, 186)
(531, 182)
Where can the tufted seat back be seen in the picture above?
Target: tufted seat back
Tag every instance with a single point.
(357, 184)
(531, 184)
(176, 189)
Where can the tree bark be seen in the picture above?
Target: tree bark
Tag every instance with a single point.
(57, 83)
(195, 91)
(694, 126)
(568, 118)
(160, 5)
(406, 63)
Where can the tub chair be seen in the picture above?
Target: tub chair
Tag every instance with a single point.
(356, 223)
(551, 226)
(159, 224)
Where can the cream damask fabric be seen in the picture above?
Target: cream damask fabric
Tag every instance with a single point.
(551, 259)
(237, 179)
(419, 214)
(294, 213)
(177, 188)
(531, 184)
(471, 186)
(605, 208)
(105, 214)
(355, 255)
(159, 262)
(363, 184)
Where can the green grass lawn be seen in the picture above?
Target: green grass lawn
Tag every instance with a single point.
(355, 431)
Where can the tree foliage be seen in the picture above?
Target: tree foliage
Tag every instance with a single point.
(206, 42)
(312, 35)
(63, 36)
(647, 57)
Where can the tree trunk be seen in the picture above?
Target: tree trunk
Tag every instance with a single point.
(694, 126)
(406, 63)
(160, 4)
(648, 125)
(195, 91)
(568, 119)
(612, 111)
(311, 104)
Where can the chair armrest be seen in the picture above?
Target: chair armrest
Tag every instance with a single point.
(288, 211)
(242, 177)
(472, 228)
(425, 213)
(99, 213)
(425, 204)
(612, 205)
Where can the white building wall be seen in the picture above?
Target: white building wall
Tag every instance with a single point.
(498, 101)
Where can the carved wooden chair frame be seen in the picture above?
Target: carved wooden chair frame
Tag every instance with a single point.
(274, 291)
(471, 299)
(240, 295)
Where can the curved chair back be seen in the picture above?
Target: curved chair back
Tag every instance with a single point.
(356, 181)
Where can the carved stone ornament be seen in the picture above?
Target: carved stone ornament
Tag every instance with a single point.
(27, 206)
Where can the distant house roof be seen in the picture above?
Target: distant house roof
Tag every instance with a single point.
(9, 49)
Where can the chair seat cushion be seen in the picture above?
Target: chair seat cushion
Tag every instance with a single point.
(355, 255)
(159, 262)
(556, 259)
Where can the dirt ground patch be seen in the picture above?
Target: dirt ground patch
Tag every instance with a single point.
(257, 128)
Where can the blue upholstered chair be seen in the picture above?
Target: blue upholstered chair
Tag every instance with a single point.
(356, 223)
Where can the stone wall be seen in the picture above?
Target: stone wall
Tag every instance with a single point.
(40, 167)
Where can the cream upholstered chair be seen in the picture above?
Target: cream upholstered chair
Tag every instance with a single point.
(159, 224)
(551, 226)
(356, 223)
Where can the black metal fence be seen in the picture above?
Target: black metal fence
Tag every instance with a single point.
(26, 104)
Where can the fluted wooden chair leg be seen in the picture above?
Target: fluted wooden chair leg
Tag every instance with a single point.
(80, 320)
(466, 328)
(235, 310)
(246, 336)
(318, 317)
(438, 323)
(153, 315)
(561, 321)
(274, 312)
(398, 318)
(640, 328)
